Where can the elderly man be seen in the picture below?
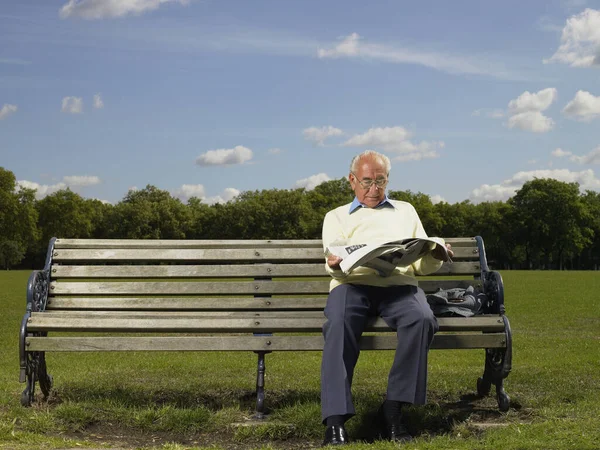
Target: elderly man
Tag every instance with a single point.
(363, 293)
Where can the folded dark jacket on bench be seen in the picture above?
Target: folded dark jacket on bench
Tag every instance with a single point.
(457, 302)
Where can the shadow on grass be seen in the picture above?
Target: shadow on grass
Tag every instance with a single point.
(431, 419)
(212, 399)
(298, 408)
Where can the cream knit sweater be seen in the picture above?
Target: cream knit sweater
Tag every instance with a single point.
(376, 224)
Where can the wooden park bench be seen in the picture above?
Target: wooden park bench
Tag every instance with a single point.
(237, 295)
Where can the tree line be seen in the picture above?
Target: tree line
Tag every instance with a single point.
(547, 224)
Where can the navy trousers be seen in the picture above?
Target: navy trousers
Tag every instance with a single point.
(349, 307)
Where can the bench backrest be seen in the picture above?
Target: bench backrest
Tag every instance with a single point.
(216, 276)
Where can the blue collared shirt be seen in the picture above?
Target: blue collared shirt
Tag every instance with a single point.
(356, 204)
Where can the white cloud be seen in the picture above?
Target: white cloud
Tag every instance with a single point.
(85, 180)
(275, 151)
(560, 153)
(580, 41)
(228, 194)
(98, 102)
(435, 199)
(74, 181)
(592, 157)
(395, 140)
(492, 193)
(354, 46)
(500, 192)
(312, 182)
(528, 102)
(526, 111)
(42, 190)
(584, 107)
(72, 105)
(533, 121)
(225, 157)
(187, 191)
(7, 110)
(318, 135)
(100, 9)
(387, 138)
(348, 47)
(418, 156)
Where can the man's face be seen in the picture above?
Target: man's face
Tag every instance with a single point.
(369, 170)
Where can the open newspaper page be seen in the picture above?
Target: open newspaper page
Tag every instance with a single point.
(384, 256)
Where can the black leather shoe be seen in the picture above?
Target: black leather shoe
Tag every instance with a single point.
(396, 431)
(393, 428)
(335, 435)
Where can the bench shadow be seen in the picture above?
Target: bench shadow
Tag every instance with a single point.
(212, 399)
(431, 419)
(436, 418)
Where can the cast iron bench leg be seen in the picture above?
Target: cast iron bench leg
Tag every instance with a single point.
(35, 371)
(498, 364)
(260, 386)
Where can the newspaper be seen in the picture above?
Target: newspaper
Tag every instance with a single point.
(385, 256)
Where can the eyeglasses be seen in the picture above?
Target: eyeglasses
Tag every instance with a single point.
(366, 183)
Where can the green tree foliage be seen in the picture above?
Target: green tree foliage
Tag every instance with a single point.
(18, 219)
(456, 219)
(493, 221)
(551, 221)
(66, 214)
(430, 215)
(11, 253)
(590, 256)
(267, 214)
(149, 213)
(202, 219)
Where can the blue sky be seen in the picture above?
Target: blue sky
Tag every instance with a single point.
(207, 98)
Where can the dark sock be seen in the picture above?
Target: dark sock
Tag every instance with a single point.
(334, 421)
(392, 408)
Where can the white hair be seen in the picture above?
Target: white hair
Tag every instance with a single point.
(373, 154)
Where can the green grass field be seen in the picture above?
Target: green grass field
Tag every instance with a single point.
(199, 400)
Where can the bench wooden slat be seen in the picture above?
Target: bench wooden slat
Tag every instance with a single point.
(199, 323)
(185, 303)
(191, 287)
(186, 254)
(246, 343)
(211, 254)
(223, 271)
(258, 287)
(300, 315)
(459, 268)
(184, 243)
(191, 271)
(196, 244)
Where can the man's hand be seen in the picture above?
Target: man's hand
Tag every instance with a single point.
(438, 252)
(334, 262)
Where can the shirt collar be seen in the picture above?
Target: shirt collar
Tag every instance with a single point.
(356, 204)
